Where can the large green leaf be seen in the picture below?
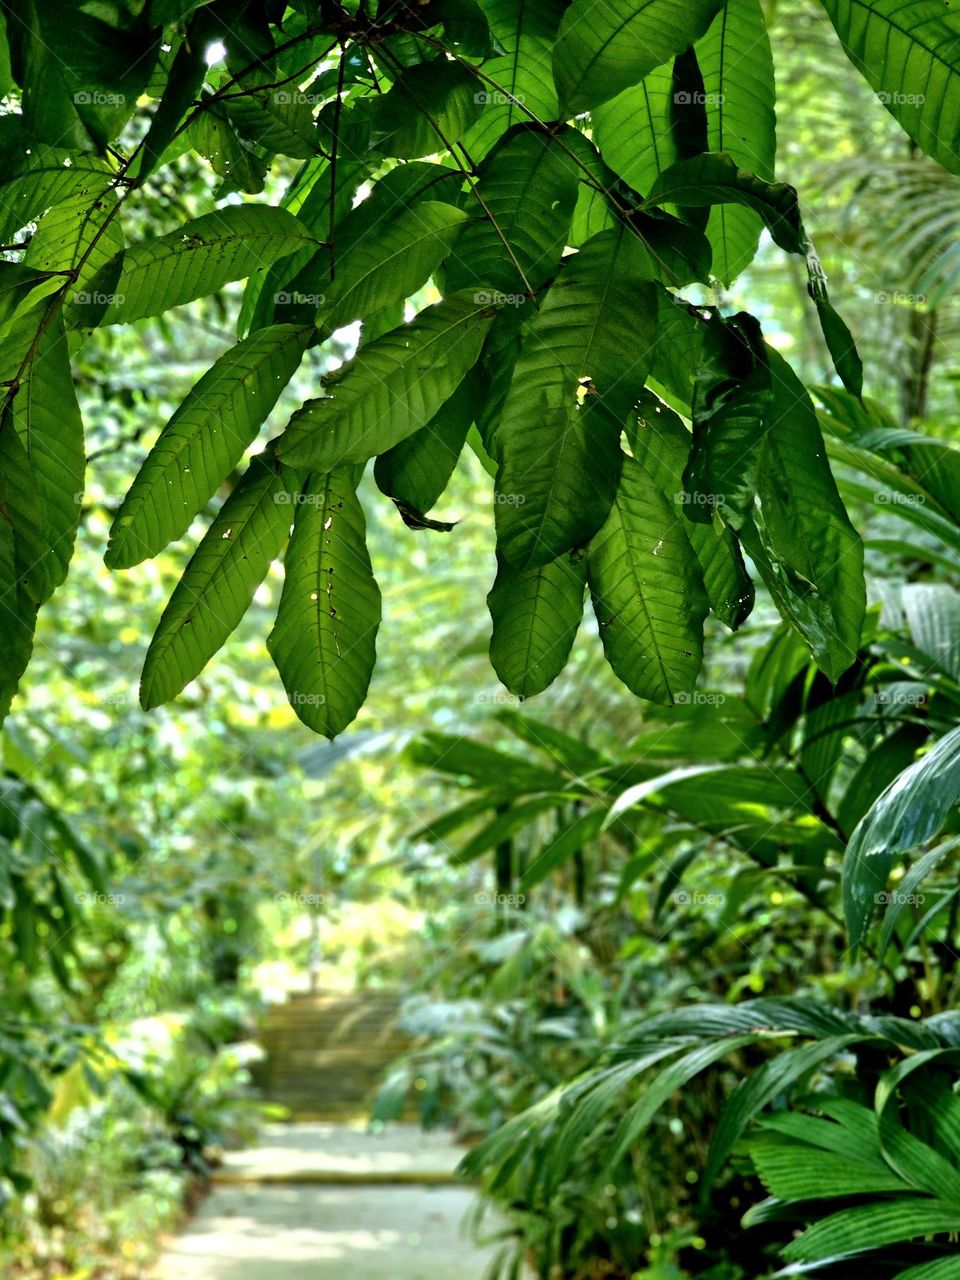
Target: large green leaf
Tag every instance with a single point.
(661, 443)
(909, 53)
(872, 1226)
(53, 178)
(427, 109)
(324, 638)
(392, 388)
(528, 189)
(647, 591)
(377, 271)
(633, 130)
(200, 257)
(581, 368)
(605, 45)
(816, 556)
(22, 552)
(911, 811)
(203, 442)
(517, 83)
(536, 615)
(417, 470)
(737, 67)
(47, 420)
(218, 584)
(277, 118)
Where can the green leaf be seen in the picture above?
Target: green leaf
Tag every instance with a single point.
(938, 1269)
(427, 109)
(212, 134)
(661, 443)
(47, 420)
(203, 442)
(816, 555)
(21, 549)
(605, 45)
(569, 840)
(277, 117)
(200, 257)
(872, 1226)
(633, 130)
(53, 178)
(536, 615)
(558, 441)
(324, 638)
(908, 53)
(391, 388)
(219, 582)
(714, 179)
(417, 470)
(517, 83)
(911, 811)
(86, 239)
(647, 591)
(841, 345)
(528, 187)
(739, 94)
(377, 271)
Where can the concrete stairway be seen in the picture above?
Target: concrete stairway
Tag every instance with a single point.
(327, 1054)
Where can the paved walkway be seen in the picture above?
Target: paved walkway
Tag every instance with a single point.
(313, 1201)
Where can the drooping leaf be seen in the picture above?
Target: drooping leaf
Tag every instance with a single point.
(324, 638)
(218, 584)
(427, 109)
(647, 591)
(391, 388)
(200, 257)
(203, 442)
(661, 443)
(908, 53)
(47, 420)
(528, 188)
(377, 271)
(911, 811)
(605, 45)
(737, 67)
(417, 470)
(536, 614)
(815, 555)
(633, 130)
(580, 369)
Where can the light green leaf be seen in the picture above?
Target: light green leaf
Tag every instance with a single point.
(47, 420)
(910, 55)
(203, 442)
(536, 615)
(392, 387)
(647, 591)
(53, 178)
(428, 108)
(528, 187)
(737, 67)
(911, 811)
(634, 129)
(324, 638)
(200, 257)
(219, 582)
(661, 443)
(581, 368)
(605, 45)
(377, 271)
